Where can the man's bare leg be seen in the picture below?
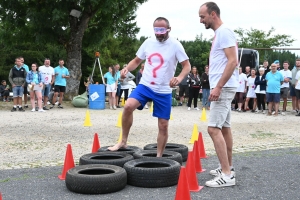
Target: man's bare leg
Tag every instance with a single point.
(61, 95)
(284, 104)
(226, 131)
(270, 106)
(276, 107)
(162, 136)
(20, 101)
(45, 100)
(127, 118)
(220, 147)
(54, 98)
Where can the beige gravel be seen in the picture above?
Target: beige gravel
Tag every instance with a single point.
(33, 139)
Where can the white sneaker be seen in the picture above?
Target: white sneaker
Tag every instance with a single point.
(283, 113)
(146, 106)
(114, 107)
(263, 112)
(56, 103)
(273, 112)
(189, 108)
(33, 110)
(196, 108)
(221, 181)
(42, 110)
(110, 107)
(48, 102)
(218, 171)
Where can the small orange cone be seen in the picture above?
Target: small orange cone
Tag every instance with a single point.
(182, 191)
(69, 162)
(201, 148)
(197, 160)
(191, 174)
(96, 144)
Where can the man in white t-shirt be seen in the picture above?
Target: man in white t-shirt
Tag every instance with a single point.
(284, 89)
(162, 54)
(297, 84)
(223, 78)
(48, 78)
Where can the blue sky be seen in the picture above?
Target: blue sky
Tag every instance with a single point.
(284, 16)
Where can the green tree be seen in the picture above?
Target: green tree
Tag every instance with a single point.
(198, 52)
(49, 21)
(255, 39)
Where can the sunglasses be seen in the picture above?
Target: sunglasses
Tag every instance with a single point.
(160, 30)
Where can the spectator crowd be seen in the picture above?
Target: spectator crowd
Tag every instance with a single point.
(259, 91)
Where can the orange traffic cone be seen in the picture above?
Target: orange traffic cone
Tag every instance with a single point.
(96, 144)
(191, 174)
(201, 148)
(69, 163)
(197, 160)
(182, 191)
(0, 196)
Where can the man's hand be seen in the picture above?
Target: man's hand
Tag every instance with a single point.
(13, 85)
(286, 80)
(124, 72)
(215, 94)
(174, 81)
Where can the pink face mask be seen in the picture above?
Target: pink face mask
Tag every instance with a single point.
(160, 30)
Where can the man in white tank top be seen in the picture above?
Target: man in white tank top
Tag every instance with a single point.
(223, 78)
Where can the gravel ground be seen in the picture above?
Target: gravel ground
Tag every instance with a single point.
(33, 139)
(261, 175)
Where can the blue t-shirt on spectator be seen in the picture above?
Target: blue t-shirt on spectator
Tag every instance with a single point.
(59, 71)
(274, 81)
(118, 76)
(110, 78)
(26, 67)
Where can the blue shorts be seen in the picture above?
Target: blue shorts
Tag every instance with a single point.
(161, 102)
(18, 91)
(46, 90)
(273, 97)
(292, 91)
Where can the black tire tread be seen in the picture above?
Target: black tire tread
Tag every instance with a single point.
(182, 149)
(96, 184)
(87, 158)
(152, 177)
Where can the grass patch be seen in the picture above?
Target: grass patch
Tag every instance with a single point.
(262, 135)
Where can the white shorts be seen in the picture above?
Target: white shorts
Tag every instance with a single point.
(111, 88)
(220, 111)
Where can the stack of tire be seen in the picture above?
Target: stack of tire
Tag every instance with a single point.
(105, 171)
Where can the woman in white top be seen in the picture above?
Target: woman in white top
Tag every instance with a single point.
(251, 91)
(125, 86)
(242, 88)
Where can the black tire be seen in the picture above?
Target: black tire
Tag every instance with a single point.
(152, 172)
(180, 148)
(129, 149)
(172, 155)
(108, 158)
(96, 179)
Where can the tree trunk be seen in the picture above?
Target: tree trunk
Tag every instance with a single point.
(74, 67)
(73, 49)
